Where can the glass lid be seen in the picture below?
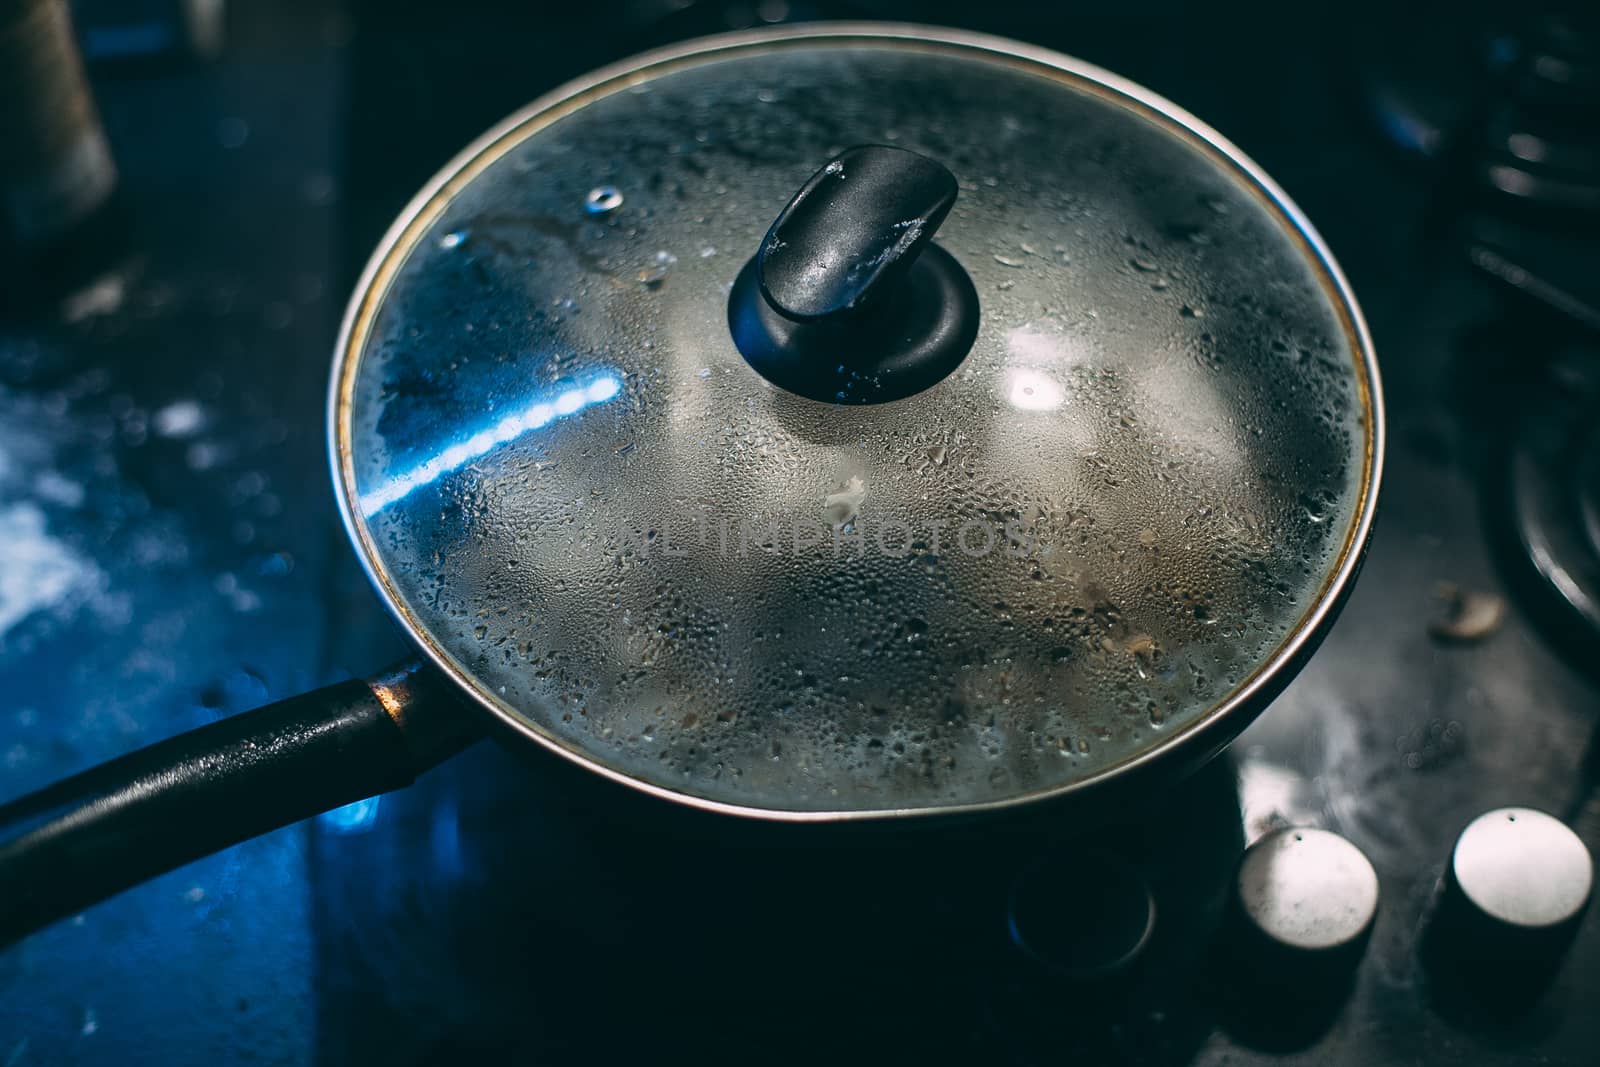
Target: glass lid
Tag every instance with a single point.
(1130, 494)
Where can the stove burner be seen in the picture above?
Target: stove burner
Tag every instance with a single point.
(1507, 107)
(1536, 137)
(1512, 102)
(1552, 488)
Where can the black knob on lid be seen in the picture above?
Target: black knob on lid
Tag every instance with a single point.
(847, 300)
(852, 231)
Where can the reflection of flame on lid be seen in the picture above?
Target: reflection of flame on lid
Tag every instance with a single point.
(533, 417)
(1032, 390)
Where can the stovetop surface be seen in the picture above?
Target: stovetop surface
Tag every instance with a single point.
(172, 555)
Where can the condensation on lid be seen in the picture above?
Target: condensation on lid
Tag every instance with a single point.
(1118, 510)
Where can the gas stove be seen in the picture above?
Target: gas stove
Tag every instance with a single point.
(174, 556)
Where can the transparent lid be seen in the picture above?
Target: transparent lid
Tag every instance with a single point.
(1125, 504)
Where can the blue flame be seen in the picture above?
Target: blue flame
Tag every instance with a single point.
(541, 413)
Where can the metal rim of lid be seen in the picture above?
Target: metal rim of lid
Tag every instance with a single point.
(1212, 728)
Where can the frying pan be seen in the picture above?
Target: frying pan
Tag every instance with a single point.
(817, 522)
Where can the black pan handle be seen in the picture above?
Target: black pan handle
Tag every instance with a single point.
(99, 832)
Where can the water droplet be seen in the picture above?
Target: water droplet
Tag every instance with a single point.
(1317, 506)
(453, 239)
(652, 276)
(182, 418)
(841, 506)
(602, 200)
(203, 455)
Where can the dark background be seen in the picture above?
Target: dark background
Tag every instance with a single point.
(171, 554)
